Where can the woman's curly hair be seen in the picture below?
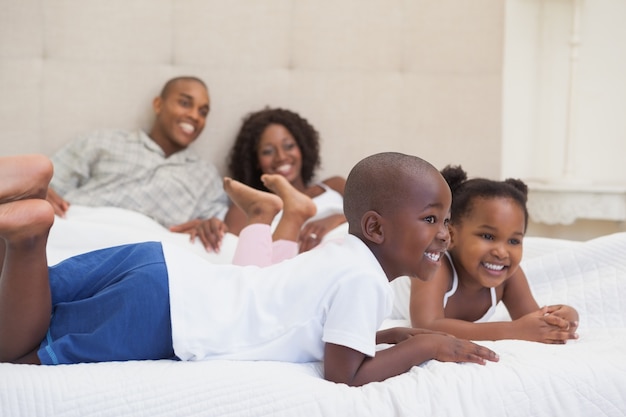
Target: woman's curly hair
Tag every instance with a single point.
(243, 162)
(465, 191)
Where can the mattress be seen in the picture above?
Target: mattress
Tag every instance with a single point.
(585, 377)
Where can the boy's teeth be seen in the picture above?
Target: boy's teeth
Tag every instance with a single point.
(187, 128)
(433, 255)
(493, 266)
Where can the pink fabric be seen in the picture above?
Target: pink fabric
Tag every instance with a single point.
(283, 249)
(255, 247)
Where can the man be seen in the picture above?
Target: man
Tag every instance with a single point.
(155, 174)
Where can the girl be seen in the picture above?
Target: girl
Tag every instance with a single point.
(487, 225)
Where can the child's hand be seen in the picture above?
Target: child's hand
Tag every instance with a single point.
(568, 314)
(542, 326)
(447, 348)
(395, 335)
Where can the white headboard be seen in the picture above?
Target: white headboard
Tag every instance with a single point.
(422, 77)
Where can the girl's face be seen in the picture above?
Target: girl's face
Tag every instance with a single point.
(279, 153)
(487, 244)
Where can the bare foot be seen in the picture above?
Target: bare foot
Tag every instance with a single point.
(24, 177)
(259, 206)
(24, 221)
(296, 204)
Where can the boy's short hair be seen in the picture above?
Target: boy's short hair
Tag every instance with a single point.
(376, 181)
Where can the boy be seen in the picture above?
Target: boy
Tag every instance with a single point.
(153, 301)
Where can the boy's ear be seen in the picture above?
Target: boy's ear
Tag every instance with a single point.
(372, 227)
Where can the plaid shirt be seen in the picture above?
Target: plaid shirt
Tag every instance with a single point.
(129, 170)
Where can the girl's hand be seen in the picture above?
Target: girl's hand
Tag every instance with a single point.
(542, 326)
(568, 314)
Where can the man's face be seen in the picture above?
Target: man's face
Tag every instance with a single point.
(180, 115)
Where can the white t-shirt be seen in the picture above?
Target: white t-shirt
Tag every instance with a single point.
(337, 293)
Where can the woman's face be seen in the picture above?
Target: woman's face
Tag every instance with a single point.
(279, 153)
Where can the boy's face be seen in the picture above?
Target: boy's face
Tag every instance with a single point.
(487, 244)
(416, 232)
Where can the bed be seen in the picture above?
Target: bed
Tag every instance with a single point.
(586, 377)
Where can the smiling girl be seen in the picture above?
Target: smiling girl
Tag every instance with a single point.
(488, 221)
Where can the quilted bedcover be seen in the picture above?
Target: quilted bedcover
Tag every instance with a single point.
(586, 377)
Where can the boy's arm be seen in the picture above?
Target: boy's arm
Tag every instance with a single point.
(348, 366)
(394, 335)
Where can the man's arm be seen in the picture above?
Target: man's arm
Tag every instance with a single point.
(57, 202)
(72, 165)
(71, 168)
(209, 231)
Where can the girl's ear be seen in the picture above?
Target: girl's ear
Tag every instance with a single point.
(372, 227)
(452, 231)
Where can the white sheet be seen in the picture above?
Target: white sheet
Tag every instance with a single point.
(583, 378)
(89, 228)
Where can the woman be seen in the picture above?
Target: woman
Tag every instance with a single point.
(279, 141)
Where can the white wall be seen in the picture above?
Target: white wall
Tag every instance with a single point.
(564, 102)
(543, 110)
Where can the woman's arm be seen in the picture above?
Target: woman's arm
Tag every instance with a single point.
(319, 228)
(337, 183)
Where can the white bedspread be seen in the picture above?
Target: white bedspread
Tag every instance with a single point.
(586, 377)
(89, 228)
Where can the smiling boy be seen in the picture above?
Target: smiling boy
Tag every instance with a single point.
(155, 301)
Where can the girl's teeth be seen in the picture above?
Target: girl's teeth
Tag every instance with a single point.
(493, 267)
